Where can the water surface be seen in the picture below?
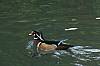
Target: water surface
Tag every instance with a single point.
(18, 17)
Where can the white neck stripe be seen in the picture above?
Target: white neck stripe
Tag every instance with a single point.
(39, 37)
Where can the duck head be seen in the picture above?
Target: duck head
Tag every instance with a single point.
(36, 35)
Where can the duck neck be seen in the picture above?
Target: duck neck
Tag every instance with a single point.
(37, 41)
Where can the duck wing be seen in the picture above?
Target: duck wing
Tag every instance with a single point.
(51, 42)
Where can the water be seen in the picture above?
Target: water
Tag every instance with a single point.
(19, 17)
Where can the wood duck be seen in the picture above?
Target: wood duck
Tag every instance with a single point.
(47, 45)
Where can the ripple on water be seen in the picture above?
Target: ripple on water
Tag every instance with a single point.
(77, 64)
(85, 54)
(37, 24)
(80, 53)
(53, 20)
(23, 21)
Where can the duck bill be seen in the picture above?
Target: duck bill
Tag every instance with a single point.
(29, 34)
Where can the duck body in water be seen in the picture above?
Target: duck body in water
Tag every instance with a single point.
(60, 44)
(45, 46)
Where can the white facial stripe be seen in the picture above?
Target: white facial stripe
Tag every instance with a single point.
(39, 36)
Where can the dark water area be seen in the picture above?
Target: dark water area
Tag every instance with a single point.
(18, 17)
